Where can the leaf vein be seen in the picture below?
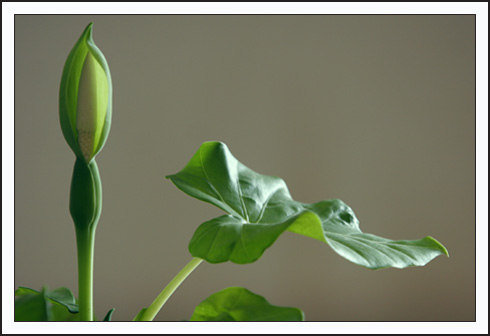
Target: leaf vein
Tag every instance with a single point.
(266, 205)
(350, 248)
(213, 187)
(240, 195)
(404, 253)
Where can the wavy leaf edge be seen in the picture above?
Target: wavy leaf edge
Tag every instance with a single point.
(215, 176)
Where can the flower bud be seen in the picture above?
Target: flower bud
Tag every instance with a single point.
(85, 98)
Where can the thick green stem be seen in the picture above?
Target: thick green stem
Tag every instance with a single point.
(155, 307)
(85, 209)
(85, 253)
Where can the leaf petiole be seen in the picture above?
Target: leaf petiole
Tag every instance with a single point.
(150, 312)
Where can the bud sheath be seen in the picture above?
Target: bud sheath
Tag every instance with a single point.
(86, 98)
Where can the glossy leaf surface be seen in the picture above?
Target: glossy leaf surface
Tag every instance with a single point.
(260, 208)
(46, 305)
(31, 307)
(240, 304)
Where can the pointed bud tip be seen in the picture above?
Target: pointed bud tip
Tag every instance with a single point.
(88, 30)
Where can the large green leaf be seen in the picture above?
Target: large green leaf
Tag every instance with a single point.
(260, 209)
(45, 305)
(240, 304)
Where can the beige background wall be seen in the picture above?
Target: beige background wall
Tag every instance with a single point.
(375, 110)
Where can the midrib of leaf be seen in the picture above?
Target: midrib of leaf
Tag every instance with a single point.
(234, 212)
(226, 205)
(235, 303)
(240, 195)
(241, 241)
(265, 206)
(217, 235)
(351, 248)
(215, 238)
(363, 240)
(203, 235)
(402, 251)
(379, 250)
(366, 242)
(243, 215)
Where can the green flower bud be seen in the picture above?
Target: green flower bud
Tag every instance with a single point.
(86, 98)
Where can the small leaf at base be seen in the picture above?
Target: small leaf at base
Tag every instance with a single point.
(108, 316)
(240, 304)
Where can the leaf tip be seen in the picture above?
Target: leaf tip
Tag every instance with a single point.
(108, 316)
(439, 246)
(214, 144)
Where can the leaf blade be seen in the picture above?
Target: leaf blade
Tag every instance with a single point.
(260, 208)
(33, 305)
(239, 304)
(64, 297)
(30, 307)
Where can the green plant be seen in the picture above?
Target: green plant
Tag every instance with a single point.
(258, 210)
